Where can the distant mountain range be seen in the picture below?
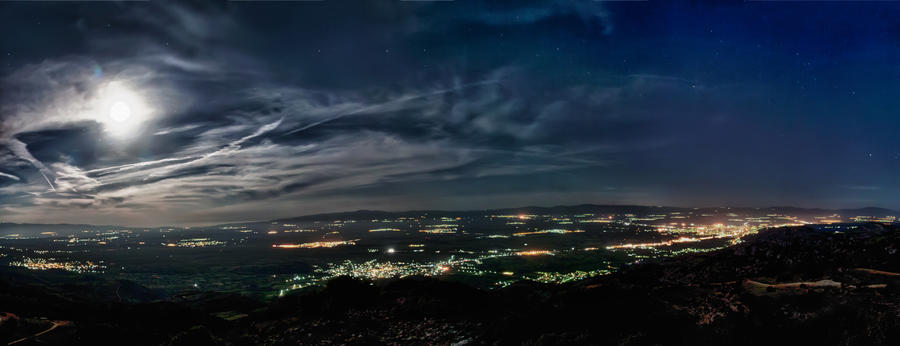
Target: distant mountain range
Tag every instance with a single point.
(591, 208)
(34, 229)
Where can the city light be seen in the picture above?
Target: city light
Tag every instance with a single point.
(316, 244)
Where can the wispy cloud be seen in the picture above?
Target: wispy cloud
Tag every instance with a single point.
(394, 105)
(9, 176)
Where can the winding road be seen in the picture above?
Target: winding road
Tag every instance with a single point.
(52, 327)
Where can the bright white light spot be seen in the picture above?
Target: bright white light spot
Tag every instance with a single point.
(120, 112)
(390, 250)
(120, 109)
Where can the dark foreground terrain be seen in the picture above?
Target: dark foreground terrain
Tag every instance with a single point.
(789, 285)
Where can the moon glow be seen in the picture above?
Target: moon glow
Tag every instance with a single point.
(120, 112)
(121, 109)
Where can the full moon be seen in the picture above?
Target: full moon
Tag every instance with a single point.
(121, 109)
(120, 112)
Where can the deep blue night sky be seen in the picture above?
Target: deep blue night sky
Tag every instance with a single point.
(247, 111)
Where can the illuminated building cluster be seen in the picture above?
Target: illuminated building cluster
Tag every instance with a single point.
(886, 219)
(547, 231)
(52, 263)
(316, 244)
(384, 230)
(383, 270)
(196, 242)
(657, 244)
(561, 278)
(446, 228)
(534, 253)
(299, 230)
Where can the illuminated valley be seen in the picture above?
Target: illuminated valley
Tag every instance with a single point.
(485, 249)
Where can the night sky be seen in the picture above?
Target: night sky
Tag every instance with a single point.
(152, 113)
